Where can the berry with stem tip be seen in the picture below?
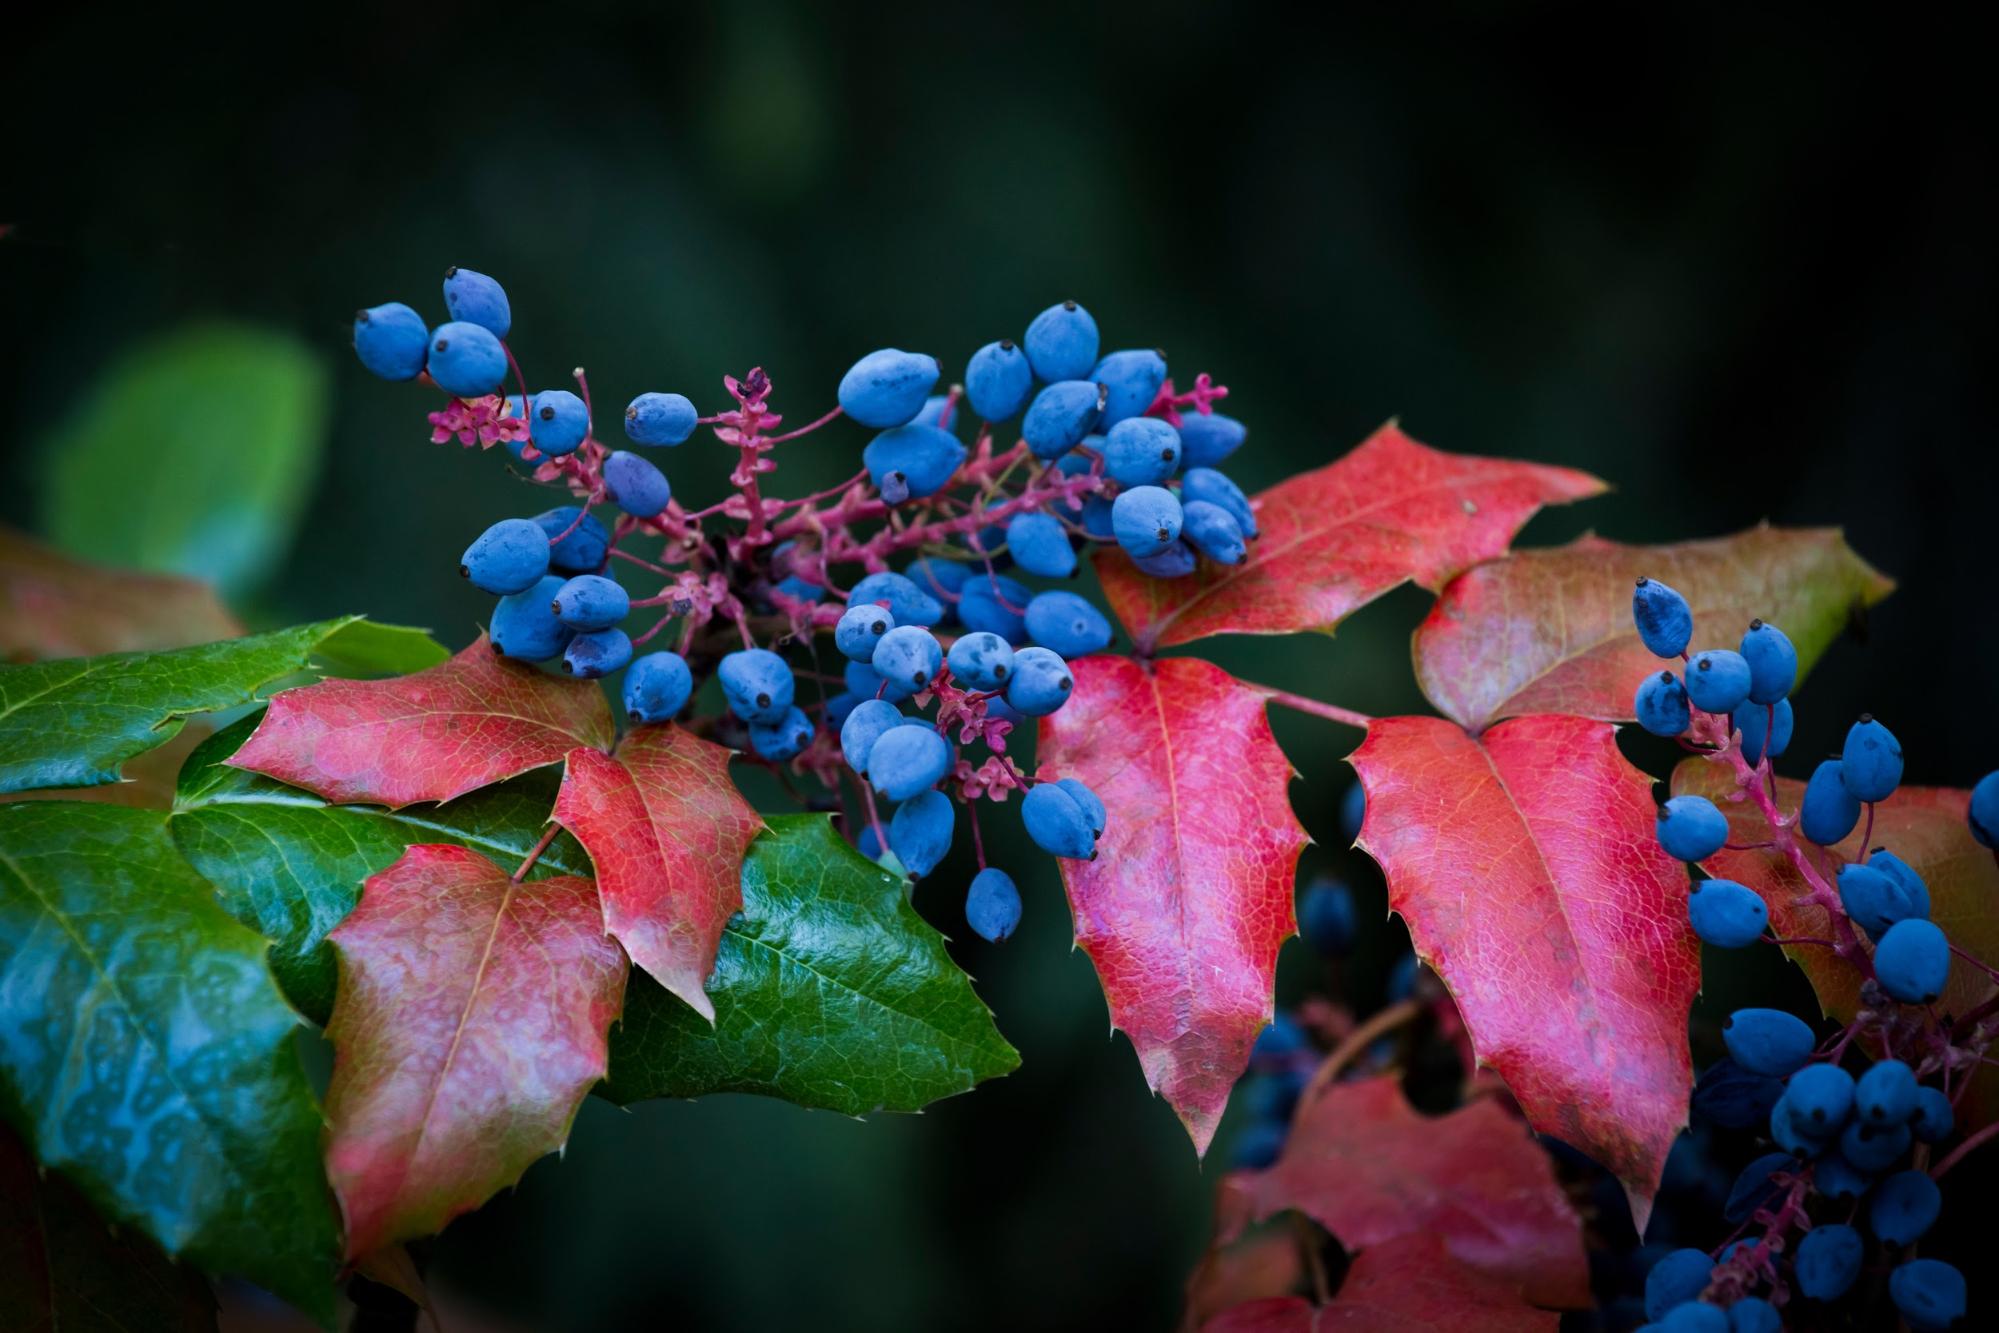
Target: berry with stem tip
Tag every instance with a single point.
(1141, 451)
(1061, 343)
(597, 653)
(998, 380)
(508, 557)
(478, 299)
(1837, 1178)
(1768, 1041)
(392, 340)
(657, 687)
(1912, 962)
(870, 720)
(1665, 621)
(1690, 828)
(1773, 662)
(757, 683)
(591, 602)
(524, 624)
(466, 360)
(920, 833)
(1823, 1095)
(1056, 823)
(1871, 763)
(887, 388)
(1093, 807)
(909, 655)
(1146, 519)
(781, 740)
(1067, 624)
(1213, 532)
(1828, 811)
(558, 421)
(981, 660)
(1060, 416)
(1208, 438)
(1211, 487)
(1131, 380)
(1726, 914)
(860, 629)
(1717, 680)
(635, 485)
(1874, 1148)
(992, 905)
(1886, 1093)
(660, 419)
(1661, 705)
(912, 462)
(907, 602)
(907, 760)
(1041, 682)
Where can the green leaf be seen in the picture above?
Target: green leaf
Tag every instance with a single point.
(193, 455)
(363, 648)
(829, 991)
(147, 1053)
(289, 865)
(71, 723)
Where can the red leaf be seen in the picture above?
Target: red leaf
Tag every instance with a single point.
(1189, 897)
(469, 1024)
(666, 831)
(461, 725)
(1926, 827)
(1551, 631)
(1335, 539)
(54, 606)
(1363, 1164)
(1526, 865)
(1410, 1285)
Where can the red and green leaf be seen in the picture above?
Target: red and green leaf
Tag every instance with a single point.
(1551, 632)
(667, 831)
(1363, 1164)
(52, 605)
(1410, 1285)
(1526, 865)
(1335, 539)
(461, 725)
(469, 1024)
(1189, 897)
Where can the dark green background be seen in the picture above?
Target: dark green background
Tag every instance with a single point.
(1739, 263)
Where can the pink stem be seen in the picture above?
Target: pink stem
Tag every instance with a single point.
(1331, 712)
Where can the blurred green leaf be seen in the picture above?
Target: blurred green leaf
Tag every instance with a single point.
(364, 649)
(193, 455)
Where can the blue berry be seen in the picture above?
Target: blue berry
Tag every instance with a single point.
(1934, 1118)
(1086, 800)
(1661, 705)
(1096, 517)
(1874, 899)
(1212, 531)
(1273, 1096)
(1726, 914)
(870, 720)
(524, 624)
(1131, 380)
(591, 602)
(1821, 1096)
(1904, 875)
(660, 419)
(912, 462)
(1912, 962)
(887, 388)
(860, 629)
(1874, 1148)
(939, 410)
(1062, 343)
(1929, 1293)
(1211, 487)
(998, 707)
(1828, 811)
(1677, 1278)
(1206, 438)
(1691, 828)
(1732, 1097)
(1871, 763)
(992, 905)
(1983, 815)
(907, 601)
(1754, 1187)
(990, 538)
(1353, 811)
(1041, 682)
(937, 579)
(1146, 519)
(1040, 545)
(997, 605)
(1828, 1261)
(635, 485)
(597, 653)
(657, 687)
(1326, 917)
(1258, 1147)
(862, 680)
(920, 833)
(1753, 720)
(391, 340)
(840, 707)
(508, 557)
(870, 846)
(981, 661)
(1402, 978)
(1904, 1207)
(1792, 1134)
(1067, 624)
(757, 684)
(1060, 416)
(559, 422)
(478, 299)
(1753, 1314)
(781, 740)
(1717, 680)
(1695, 1317)
(1665, 622)
(1141, 451)
(1768, 1041)
(582, 549)
(1056, 823)
(1175, 562)
(909, 655)
(998, 380)
(1773, 662)
(1837, 1178)
(907, 760)
(1277, 1045)
(466, 360)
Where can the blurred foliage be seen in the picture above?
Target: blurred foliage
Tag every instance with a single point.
(1718, 258)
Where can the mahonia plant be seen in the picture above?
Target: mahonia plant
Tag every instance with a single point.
(388, 852)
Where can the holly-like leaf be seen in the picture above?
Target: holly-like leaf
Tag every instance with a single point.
(467, 723)
(54, 606)
(666, 829)
(1335, 539)
(1410, 1285)
(469, 1025)
(830, 990)
(1189, 897)
(290, 866)
(1526, 865)
(366, 648)
(1551, 631)
(1926, 827)
(62, 1267)
(147, 1054)
(1363, 1164)
(71, 723)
